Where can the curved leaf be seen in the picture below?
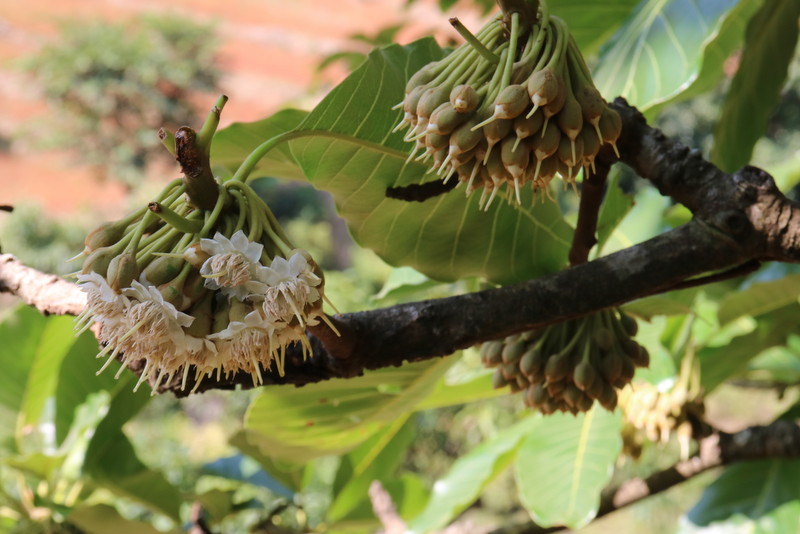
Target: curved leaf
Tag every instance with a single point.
(769, 47)
(563, 465)
(297, 424)
(758, 490)
(344, 146)
(659, 51)
(469, 474)
(759, 298)
(582, 16)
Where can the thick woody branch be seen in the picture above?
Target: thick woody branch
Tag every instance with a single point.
(780, 439)
(740, 219)
(46, 292)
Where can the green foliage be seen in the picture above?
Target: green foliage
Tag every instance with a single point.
(113, 85)
(305, 458)
(41, 241)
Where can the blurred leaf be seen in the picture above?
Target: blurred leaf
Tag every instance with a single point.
(770, 42)
(102, 519)
(401, 278)
(244, 469)
(233, 144)
(615, 207)
(643, 221)
(582, 18)
(332, 417)
(728, 41)
(780, 365)
(562, 466)
(344, 146)
(719, 363)
(287, 473)
(759, 298)
(659, 51)
(760, 490)
(445, 394)
(375, 459)
(650, 307)
(471, 473)
(77, 379)
(111, 460)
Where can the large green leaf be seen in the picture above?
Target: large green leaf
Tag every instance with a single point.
(344, 146)
(31, 353)
(375, 459)
(102, 519)
(615, 207)
(769, 47)
(233, 144)
(469, 474)
(297, 424)
(659, 51)
(111, 460)
(759, 298)
(758, 493)
(562, 466)
(728, 41)
(718, 363)
(582, 16)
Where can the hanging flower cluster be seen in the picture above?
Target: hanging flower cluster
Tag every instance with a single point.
(197, 292)
(515, 104)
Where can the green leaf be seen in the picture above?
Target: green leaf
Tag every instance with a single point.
(728, 41)
(469, 474)
(297, 424)
(287, 473)
(563, 465)
(759, 298)
(582, 17)
(244, 469)
(659, 51)
(717, 364)
(769, 47)
(102, 519)
(760, 490)
(445, 394)
(650, 307)
(111, 460)
(375, 459)
(344, 146)
(615, 207)
(643, 221)
(233, 144)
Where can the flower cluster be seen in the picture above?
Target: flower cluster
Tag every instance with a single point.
(196, 292)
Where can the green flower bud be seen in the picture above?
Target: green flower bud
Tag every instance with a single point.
(558, 367)
(512, 352)
(464, 98)
(584, 375)
(203, 317)
(431, 99)
(98, 261)
(445, 119)
(122, 270)
(543, 87)
(163, 269)
(491, 353)
(511, 101)
(105, 235)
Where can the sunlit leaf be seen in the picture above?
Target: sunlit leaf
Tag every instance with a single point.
(769, 47)
(615, 207)
(102, 519)
(582, 16)
(469, 474)
(659, 51)
(562, 466)
(344, 146)
(297, 424)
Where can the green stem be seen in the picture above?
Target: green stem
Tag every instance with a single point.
(512, 50)
(206, 132)
(474, 42)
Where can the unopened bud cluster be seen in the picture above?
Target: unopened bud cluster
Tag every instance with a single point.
(199, 292)
(516, 105)
(567, 366)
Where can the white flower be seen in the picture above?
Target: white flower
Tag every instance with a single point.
(291, 288)
(232, 264)
(102, 303)
(246, 345)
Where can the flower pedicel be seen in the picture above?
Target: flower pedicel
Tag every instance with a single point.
(196, 291)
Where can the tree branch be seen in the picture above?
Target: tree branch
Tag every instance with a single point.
(739, 218)
(780, 439)
(46, 292)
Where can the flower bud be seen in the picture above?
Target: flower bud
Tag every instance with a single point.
(122, 270)
(98, 261)
(163, 269)
(104, 235)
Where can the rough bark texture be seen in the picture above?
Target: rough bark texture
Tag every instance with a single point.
(739, 219)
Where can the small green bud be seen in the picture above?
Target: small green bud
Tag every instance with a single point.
(511, 101)
(431, 99)
(464, 98)
(105, 235)
(558, 367)
(98, 261)
(512, 352)
(491, 353)
(420, 78)
(122, 270)
(628, 324)
(445, 119)
(584, 375)
(163, 269)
